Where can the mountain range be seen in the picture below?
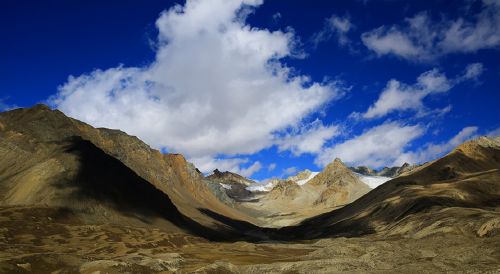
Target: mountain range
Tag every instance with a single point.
(385, 172)
(74, 198)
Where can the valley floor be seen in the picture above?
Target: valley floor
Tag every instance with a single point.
(45, 240)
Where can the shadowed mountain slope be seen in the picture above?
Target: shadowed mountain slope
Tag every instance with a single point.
(458, 192)
(234, 185)
(104, 175)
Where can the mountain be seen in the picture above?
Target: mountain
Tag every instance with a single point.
(234, 185)
(455, 194)
(364, 170)
(342, 185)
(78, 199)
(384, 172)
(284, 190)
(103, 175)
(308, 194)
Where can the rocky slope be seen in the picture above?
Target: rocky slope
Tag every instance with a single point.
(291, 201)
(103, 175)
(341, 185)
(459, 193)
(234, 185)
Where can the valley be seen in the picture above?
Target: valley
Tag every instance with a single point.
(78, 199)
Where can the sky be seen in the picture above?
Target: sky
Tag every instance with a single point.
(263, 88)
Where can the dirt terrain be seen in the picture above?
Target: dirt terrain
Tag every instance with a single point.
(45, 240)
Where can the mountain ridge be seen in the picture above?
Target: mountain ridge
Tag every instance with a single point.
(43, 132)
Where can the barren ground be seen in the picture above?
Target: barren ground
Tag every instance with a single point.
(45, 240)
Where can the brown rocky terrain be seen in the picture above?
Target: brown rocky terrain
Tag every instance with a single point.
(459, 192)
(52, 160)
(75, 199)
(289, 203)
(234, 185)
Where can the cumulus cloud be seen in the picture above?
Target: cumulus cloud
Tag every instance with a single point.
(398, 96)
(376, 147)
(309, 139)
(216, 87)
(207, 164)
(271, 167)
(421, 39)
(334, 26)
(431, 151)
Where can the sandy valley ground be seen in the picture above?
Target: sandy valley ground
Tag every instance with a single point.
(45, 240)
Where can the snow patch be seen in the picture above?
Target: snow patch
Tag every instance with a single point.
(304, 181)
(264, 186)
(373, 181)
(225, 186)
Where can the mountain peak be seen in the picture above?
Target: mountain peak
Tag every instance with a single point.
(302, 175)
(41, 106)
(335, 173)
(483, 141)
(336, 164)
(229, 177)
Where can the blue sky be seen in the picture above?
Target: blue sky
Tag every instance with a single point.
(263, 88)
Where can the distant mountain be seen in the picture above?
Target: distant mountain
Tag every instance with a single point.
(457, 193)
(308, 194)
(284, 190)
(234, 185)
(384, 172)
(342, 186)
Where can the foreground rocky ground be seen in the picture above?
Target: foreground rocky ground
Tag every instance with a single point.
(44, 240)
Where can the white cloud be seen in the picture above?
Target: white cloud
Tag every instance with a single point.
(216, 87)
(337, 27)
(494, 133)
(207, 164)
(392, 41)
(432, 151)
(376, 147)
(472, 72)
(271, 167)
(289, 171)
(276, 17)
(247, 172)
(398, 96)
(4, 106)
(423, 40)
(309, 139)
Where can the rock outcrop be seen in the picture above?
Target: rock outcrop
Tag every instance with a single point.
(234, 185)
